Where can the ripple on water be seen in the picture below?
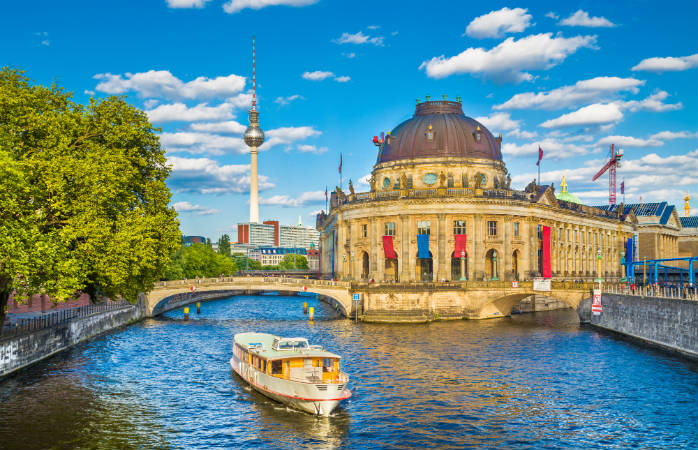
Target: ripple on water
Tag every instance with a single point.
(532, 381)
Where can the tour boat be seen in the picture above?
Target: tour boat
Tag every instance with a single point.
(290, 371)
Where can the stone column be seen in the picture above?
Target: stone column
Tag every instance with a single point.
(404, 261)
(476, 264)
(505, 258)
(441, 250)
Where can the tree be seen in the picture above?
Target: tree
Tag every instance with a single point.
(83, 200)
(287, 262)
(243, 263)
(224, 245)
(199, 260)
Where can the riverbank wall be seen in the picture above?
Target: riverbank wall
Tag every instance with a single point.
(26, 348)
(667, 323)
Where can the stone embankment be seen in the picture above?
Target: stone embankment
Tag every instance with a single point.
(667, 322)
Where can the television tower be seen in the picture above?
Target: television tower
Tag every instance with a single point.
(254, 137)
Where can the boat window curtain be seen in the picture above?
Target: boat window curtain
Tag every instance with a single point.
(460, 245)
(423, 246)
(547, 273)
(388, 249)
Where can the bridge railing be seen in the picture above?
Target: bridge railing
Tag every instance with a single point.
(652, 291)
(199, 282)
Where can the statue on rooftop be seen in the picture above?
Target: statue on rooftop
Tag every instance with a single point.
(351, 187)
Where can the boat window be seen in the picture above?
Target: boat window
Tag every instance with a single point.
(327, 365)
(276, 367)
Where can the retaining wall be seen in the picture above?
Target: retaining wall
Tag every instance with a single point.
(666, 322)
(21, 351)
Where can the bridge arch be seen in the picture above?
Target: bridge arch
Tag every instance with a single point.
(502, 305)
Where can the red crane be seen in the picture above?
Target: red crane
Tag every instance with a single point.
(611, 165)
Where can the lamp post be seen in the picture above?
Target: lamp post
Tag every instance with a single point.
(494, 266)
(644, 270)
(462, 266)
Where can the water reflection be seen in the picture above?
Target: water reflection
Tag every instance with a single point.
(532, 381)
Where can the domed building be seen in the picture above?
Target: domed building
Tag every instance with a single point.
(441, 208)
(565, 195)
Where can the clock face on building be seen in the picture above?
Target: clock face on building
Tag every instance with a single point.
(386, 182)
(430, 179)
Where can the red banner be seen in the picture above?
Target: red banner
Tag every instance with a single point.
(388, 247)
(547, 273)
(460, 245)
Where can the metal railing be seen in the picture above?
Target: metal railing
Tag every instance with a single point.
(652, 291)
(47, 320)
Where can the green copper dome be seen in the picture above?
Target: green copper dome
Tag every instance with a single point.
(565, 195)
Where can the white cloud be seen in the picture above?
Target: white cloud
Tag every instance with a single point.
(162, 84)
(283, 101)
(306, 148)
(582, 19)
(288, 135)
(552, 15)
(320, 75)
(187, 3)
(508, 61)
(349, 55)
(228, 127)
(199, 210)
(582, 91)
(595, 114)
(359, 38)
(234, 6)
(89, 92)
(630, 141)
(315, 213)
(499, 122)
(317, 75)
(670, 135)
(179, 112)
(365, 180)
(306, 198)
(206, 176)
(652, 103)
(552, 149)
(498, 23)
(373, 27)
(197, 143)
(521, 134)
(668, 64)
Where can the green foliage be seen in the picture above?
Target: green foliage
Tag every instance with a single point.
(240, 260)
(199, 260)
(287, 262)
(270, 267)
(224, 245)
(83, 200)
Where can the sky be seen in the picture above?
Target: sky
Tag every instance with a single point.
(570, 77)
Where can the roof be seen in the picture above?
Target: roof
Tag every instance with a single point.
(661, 209)
(689, 222)
(454, 135)
(266, 340)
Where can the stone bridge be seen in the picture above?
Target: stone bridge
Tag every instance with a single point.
(379, 302)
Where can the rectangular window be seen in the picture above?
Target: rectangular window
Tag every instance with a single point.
(459, 227)
(491, 228)
(390, 229)
(567, 237)
(423, 227)
(559, 234)
(516, 229)
(364, 230)
(276, 367)
(409, 182)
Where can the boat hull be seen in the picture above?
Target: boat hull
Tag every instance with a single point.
(314, 398)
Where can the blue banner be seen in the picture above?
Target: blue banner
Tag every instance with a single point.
(423, 246)
(629, 269)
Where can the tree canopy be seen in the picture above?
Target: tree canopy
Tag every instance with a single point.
(287, 262)
(199, 260)
(224, 245)
(83, 200)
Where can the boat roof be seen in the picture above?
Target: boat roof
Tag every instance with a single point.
(261, 344)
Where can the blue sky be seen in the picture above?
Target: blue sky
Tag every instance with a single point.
(572, 77)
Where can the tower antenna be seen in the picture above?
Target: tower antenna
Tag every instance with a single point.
(254, 81)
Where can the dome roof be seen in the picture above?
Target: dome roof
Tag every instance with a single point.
(565, 195)
(454, 135)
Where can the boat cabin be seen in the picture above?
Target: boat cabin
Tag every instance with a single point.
(291, 359)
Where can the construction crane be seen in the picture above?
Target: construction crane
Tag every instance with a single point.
(612, 164)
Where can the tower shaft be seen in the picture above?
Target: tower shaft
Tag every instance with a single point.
(254, 187)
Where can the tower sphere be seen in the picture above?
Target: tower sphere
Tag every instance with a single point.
(254, 136)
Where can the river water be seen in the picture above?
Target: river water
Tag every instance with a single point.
(531, 381)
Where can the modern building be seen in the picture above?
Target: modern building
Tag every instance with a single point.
(299, 236)
(313, 257)
(259, 234)
(272, 256)
(189, 240)
(440, 207)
